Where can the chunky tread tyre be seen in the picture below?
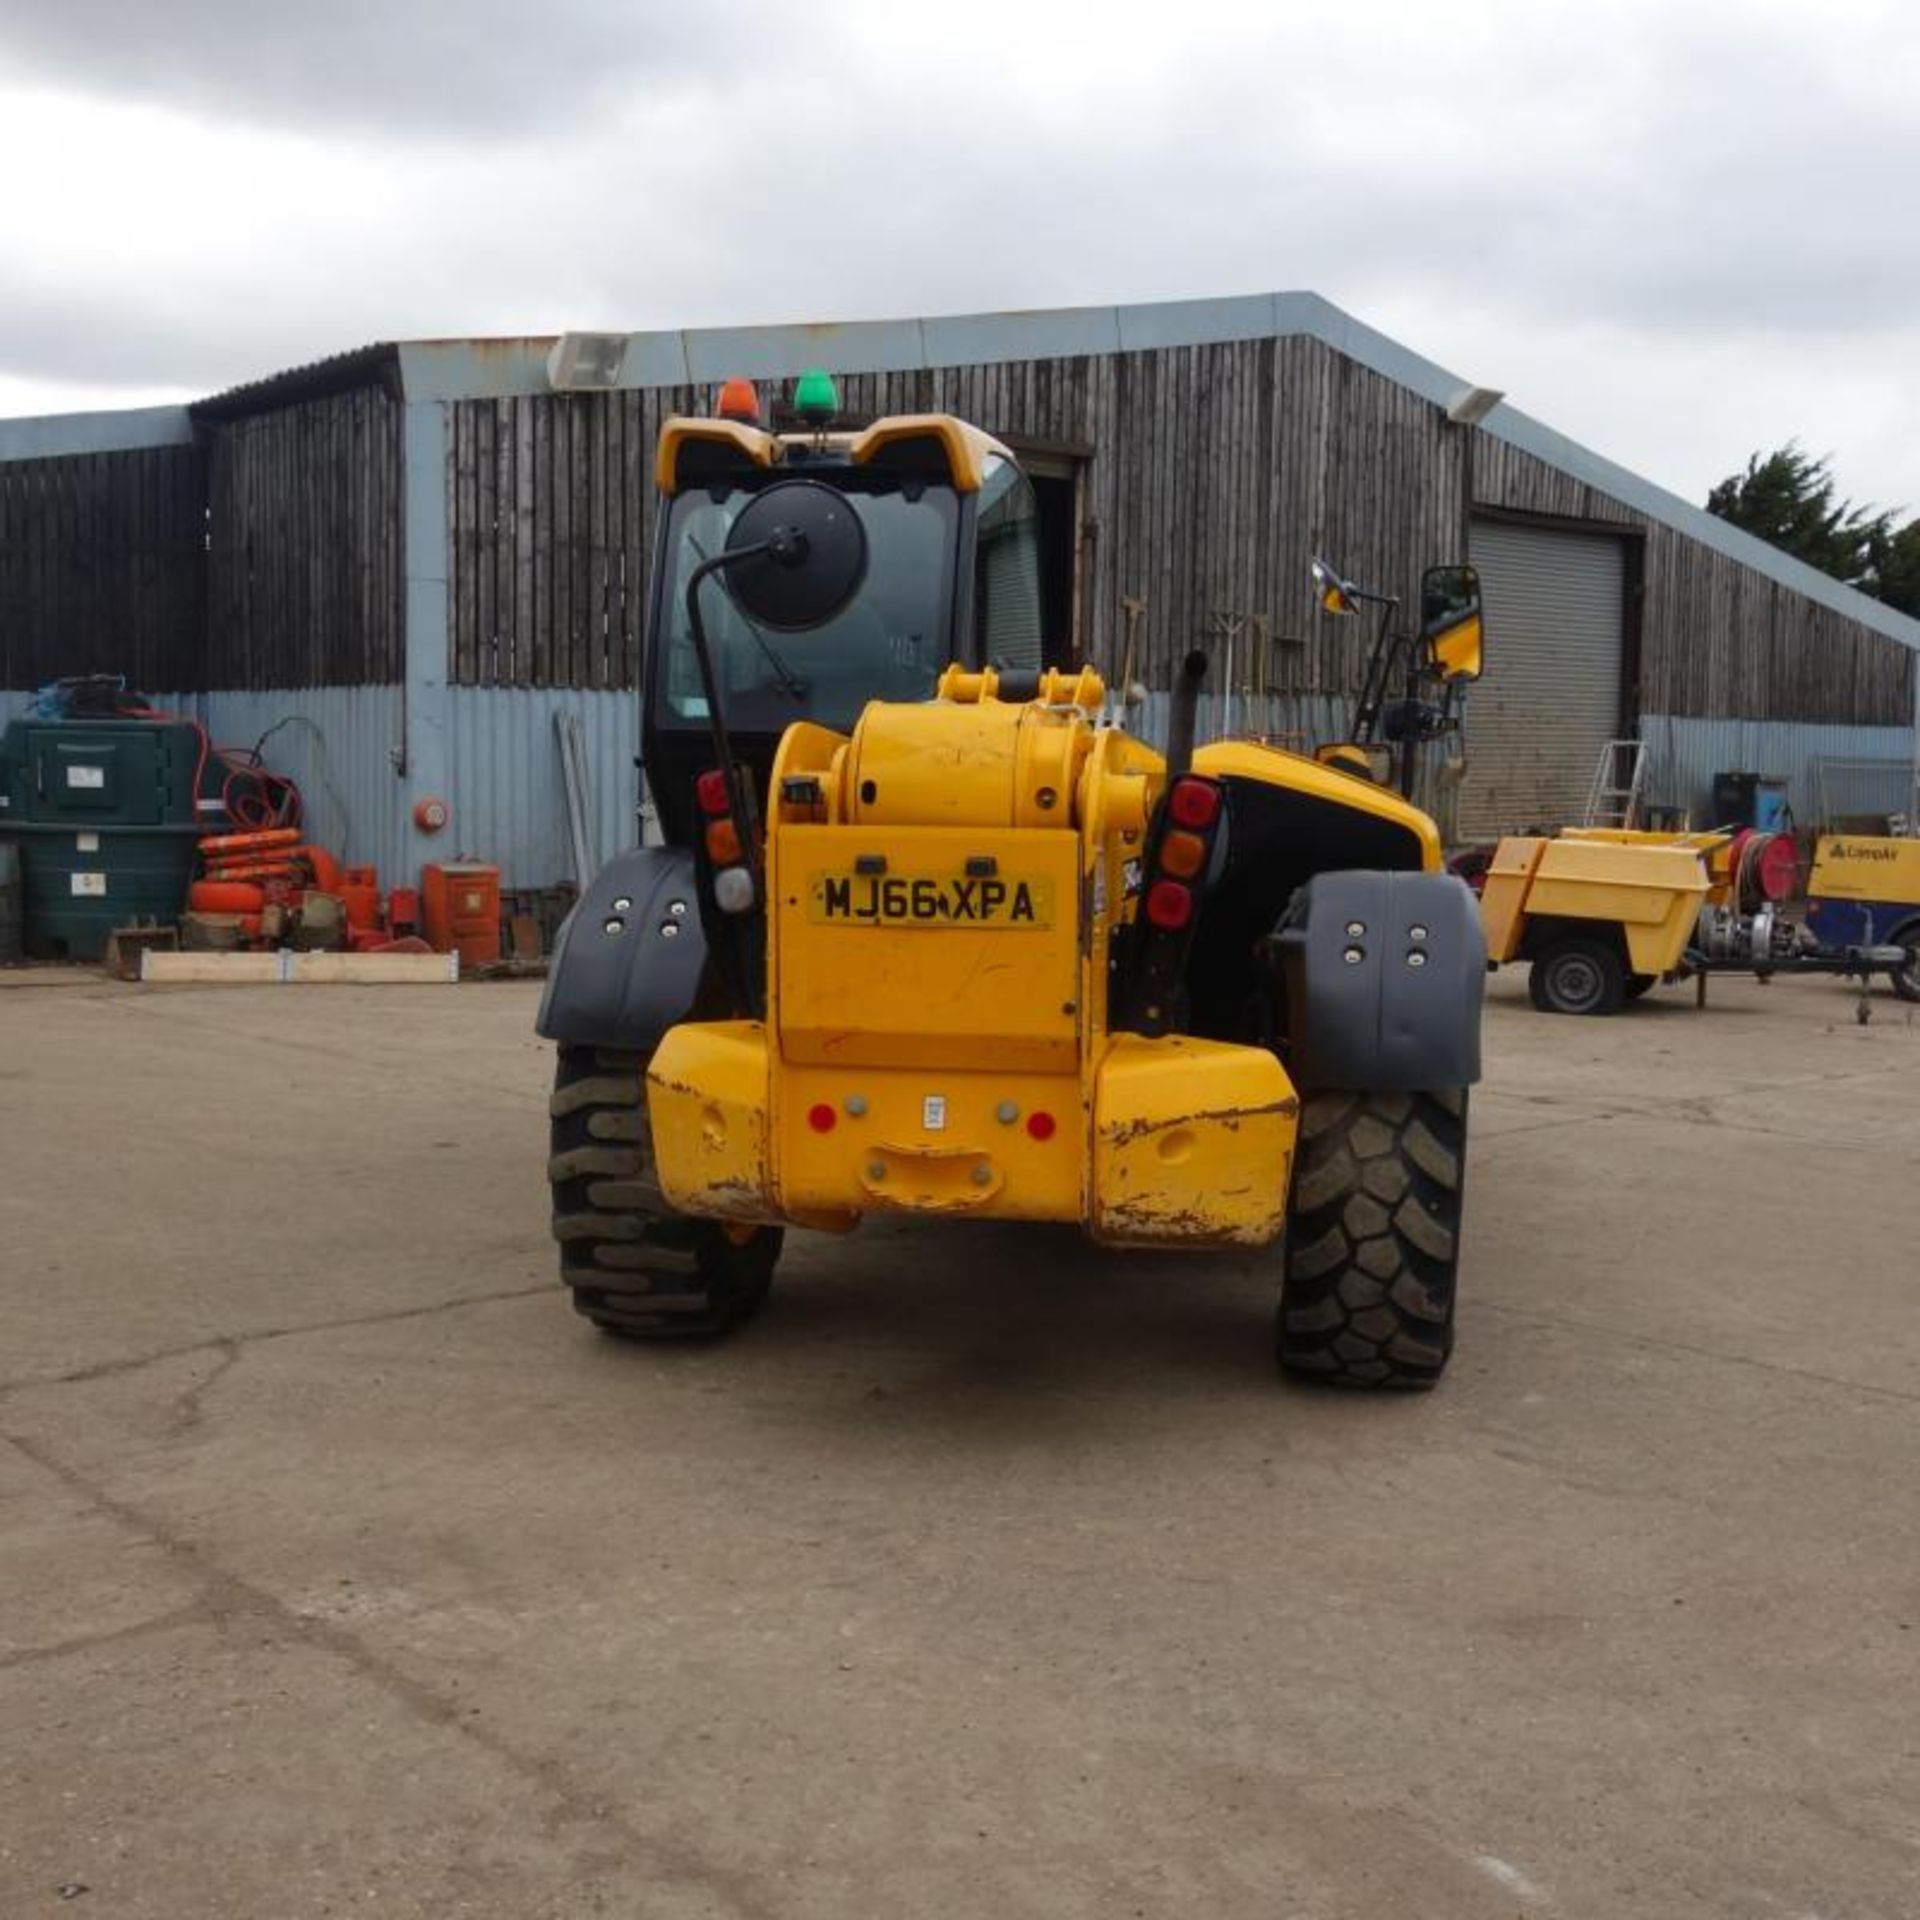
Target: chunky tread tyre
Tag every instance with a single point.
(1373, 1238)
(635, 1266)
(1577, 973)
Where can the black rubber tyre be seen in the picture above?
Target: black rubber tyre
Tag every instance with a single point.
(1576, 973)
(635, 1266)
(1373, 1238)
(1906, 983)
(1641, 983)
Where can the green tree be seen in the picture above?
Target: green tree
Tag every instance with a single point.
(1787, 497)
(1896, 568)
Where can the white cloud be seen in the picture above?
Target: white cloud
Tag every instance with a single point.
(1675, 232)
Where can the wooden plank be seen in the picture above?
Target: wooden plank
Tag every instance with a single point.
(635, 486)
(461, 596)
(560, 660)
(210, 969)
(525, 528)
(479, 557)
(605, 409)
(285, 967)
(581, 644)
(372, 969)
(540, 659)
(500, 546)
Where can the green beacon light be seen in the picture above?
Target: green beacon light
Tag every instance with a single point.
(814, 398)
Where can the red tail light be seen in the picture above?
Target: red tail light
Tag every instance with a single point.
(710, 790)
(1040, 1126)
(821, 1117)
(1193, 803)
(1169, 905)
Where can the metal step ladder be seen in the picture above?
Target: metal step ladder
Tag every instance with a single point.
(1614, 798)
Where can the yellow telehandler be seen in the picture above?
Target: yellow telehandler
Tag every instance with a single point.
(928, 937)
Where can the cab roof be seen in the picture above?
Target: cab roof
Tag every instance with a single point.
(934, 446)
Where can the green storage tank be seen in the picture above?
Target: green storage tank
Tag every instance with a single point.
(105, 816)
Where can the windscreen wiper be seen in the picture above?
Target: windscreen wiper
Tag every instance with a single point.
(790, 682)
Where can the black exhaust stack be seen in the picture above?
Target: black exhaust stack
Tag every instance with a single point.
(1186, 710)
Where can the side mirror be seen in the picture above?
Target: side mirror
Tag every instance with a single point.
(811, 555)
(1334, 594)
(1450, 621)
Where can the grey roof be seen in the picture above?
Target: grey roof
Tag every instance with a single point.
(375, 365)
(433, 370)
(51, 436)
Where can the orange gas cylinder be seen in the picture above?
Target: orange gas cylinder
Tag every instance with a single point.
(359, 888)
(460, 910)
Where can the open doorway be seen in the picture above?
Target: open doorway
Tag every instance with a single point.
(1056, 492)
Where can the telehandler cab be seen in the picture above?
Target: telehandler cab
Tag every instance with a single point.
(925, 937)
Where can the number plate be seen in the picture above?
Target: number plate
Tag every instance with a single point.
(929, 900)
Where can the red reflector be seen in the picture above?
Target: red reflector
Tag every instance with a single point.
(740, 400)
(711, 792)
(723, 842)
(1169, 905)
(821, 1117)
(1040, 1125)
(1194, 803)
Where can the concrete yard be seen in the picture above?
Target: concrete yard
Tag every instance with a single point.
(343, 1570)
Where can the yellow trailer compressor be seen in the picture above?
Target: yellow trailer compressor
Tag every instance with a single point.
(1603, 914)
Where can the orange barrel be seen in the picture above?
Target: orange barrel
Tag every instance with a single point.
(460, 910)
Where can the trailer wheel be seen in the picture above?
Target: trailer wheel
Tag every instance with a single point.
(635, 1266)
(1576, 973)
(1906, 982)
(1373, 1238)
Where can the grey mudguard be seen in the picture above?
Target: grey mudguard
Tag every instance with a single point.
(618, 978)
(1384, 974)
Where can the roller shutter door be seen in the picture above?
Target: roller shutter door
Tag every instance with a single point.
(1550, 698)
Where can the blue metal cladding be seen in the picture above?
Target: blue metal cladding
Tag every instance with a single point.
(1684, 755)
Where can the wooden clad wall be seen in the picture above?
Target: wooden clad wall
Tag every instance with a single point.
(1215, 474)
(550, 515)
(1718, 639)
(103, 568)
(306, 583)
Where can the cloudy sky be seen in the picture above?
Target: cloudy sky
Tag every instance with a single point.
(1678, 230)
